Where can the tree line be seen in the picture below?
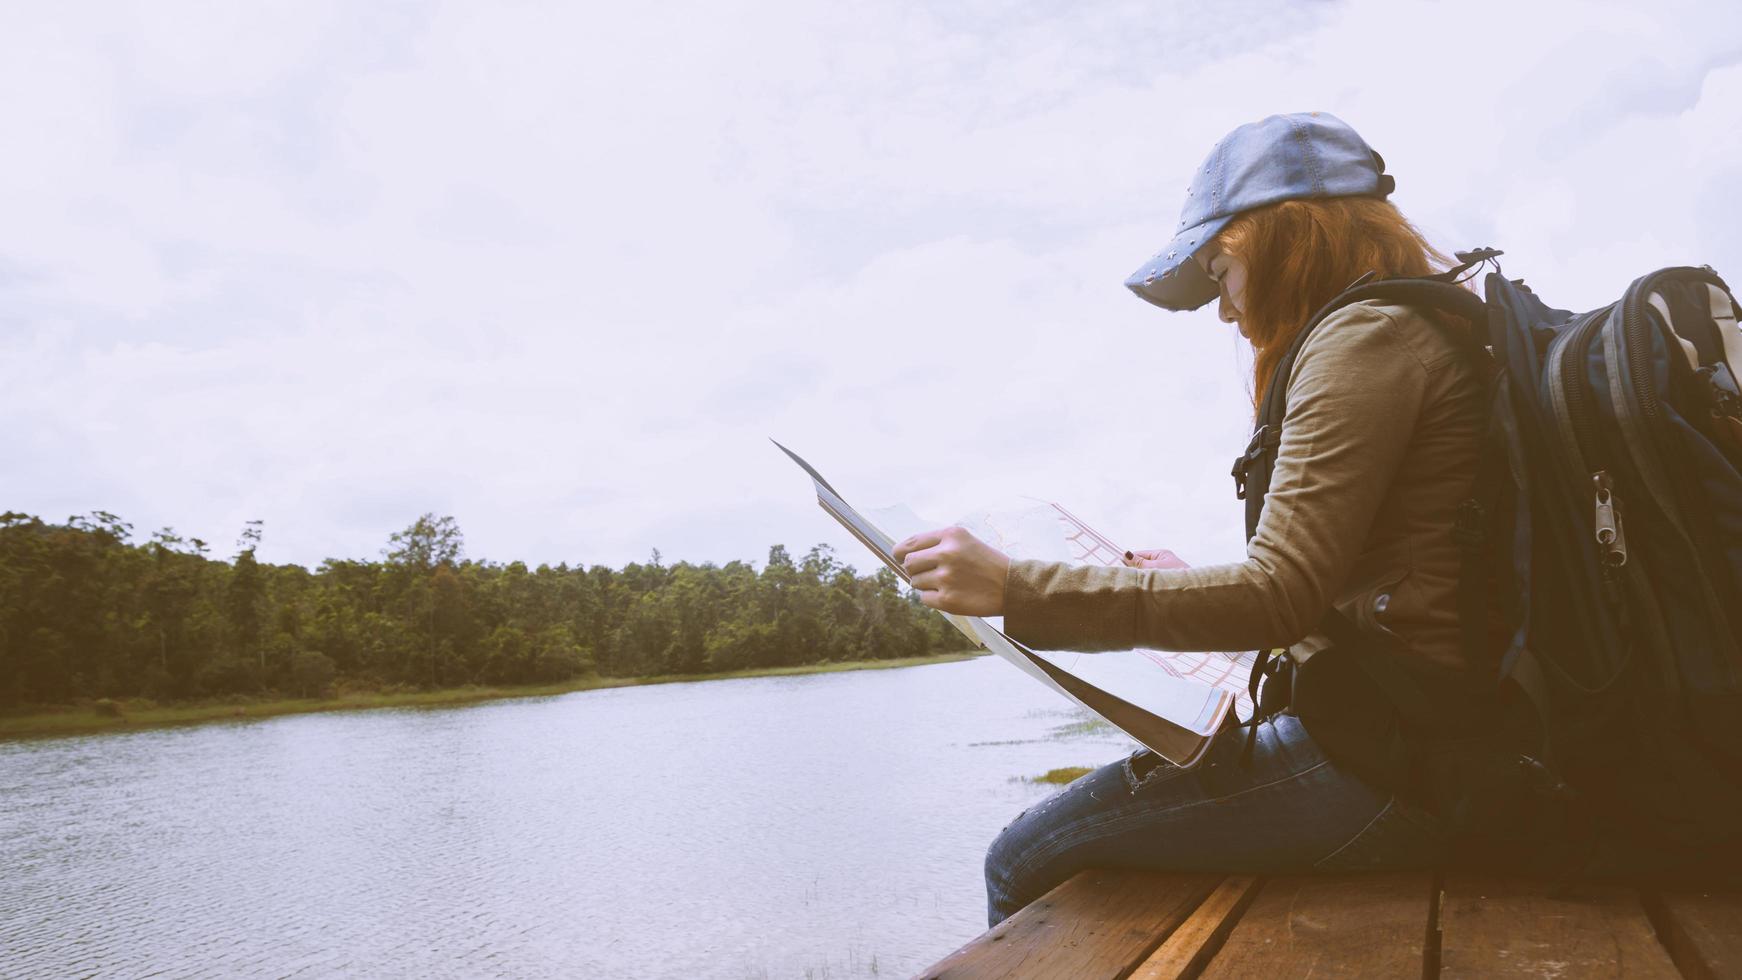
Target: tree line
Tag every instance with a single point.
(88, 612)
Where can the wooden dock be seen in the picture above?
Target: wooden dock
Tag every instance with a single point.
(1152, 925)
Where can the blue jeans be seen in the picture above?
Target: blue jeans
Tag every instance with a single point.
(1291, 809)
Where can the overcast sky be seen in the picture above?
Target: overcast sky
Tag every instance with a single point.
(559, 270)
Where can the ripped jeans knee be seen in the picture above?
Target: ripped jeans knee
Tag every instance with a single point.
(1143, 767)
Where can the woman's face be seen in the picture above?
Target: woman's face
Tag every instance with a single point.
(1230, 274)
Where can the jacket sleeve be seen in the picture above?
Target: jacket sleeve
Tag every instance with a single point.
(1353, 402)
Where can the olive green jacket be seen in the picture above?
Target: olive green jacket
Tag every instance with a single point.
(1378, 449)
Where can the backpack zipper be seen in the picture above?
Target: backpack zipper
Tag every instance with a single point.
(1611, 536)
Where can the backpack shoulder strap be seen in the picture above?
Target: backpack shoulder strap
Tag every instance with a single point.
(1252, 469)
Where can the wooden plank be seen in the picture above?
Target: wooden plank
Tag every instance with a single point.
(1357, 925)
(1500, 927)
(1098, 924)
(1702, 931)
(1186, 952)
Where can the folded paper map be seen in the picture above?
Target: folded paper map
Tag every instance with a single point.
(1173, 703)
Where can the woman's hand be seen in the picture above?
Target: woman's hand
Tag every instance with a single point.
(1154, 558)
(955, 572)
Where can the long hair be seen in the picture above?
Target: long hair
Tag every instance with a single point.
(1299, 254)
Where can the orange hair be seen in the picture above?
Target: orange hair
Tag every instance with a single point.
(1299, 254)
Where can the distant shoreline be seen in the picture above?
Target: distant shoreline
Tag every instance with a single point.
(86, 721)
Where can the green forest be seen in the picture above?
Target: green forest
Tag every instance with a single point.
(88, 612)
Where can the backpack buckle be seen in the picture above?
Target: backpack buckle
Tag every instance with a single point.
(1479, 254)
(1264, 441)
(1466, 261)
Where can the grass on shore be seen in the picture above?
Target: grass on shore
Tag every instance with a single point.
(71, 720)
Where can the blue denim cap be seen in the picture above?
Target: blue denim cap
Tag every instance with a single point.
(1278, 158)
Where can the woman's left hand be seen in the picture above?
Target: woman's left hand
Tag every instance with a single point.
(955, 572)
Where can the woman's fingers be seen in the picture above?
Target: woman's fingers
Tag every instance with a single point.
(1155, 558)
(926, 549)
(916, 542)
(955, 571)
(934, 593)
(921, 561)
(930, 587)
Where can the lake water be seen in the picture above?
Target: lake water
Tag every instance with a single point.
(826, 825)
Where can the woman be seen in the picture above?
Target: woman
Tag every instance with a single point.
(1378, 449)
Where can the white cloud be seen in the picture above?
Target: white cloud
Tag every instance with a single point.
(559, 269)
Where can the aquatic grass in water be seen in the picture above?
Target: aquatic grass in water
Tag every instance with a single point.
(1061, 776)
(1084, 728)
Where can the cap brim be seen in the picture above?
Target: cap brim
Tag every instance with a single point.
(1171, 280)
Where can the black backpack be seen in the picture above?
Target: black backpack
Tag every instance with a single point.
(1601, 592)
